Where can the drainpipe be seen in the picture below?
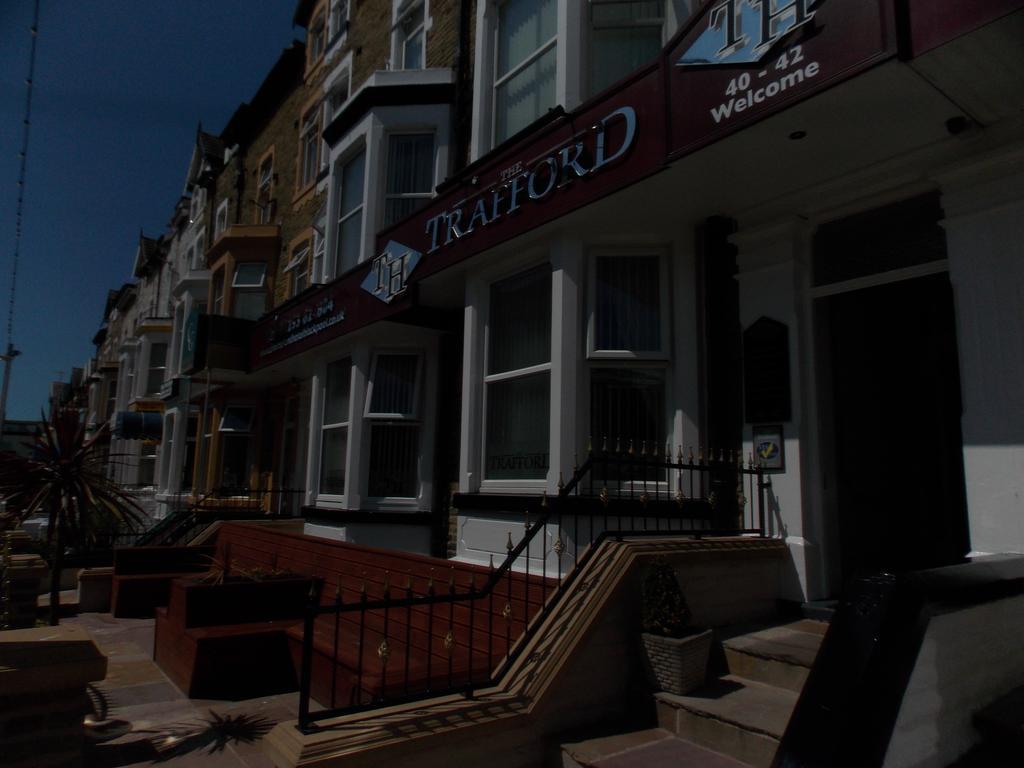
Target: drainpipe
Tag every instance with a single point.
(201, 437)
(461, 116)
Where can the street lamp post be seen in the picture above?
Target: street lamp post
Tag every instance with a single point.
(8, 359)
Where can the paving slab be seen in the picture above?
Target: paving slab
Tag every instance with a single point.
(653, 748)
(162, 724)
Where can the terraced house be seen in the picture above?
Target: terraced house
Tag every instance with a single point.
(549, 287)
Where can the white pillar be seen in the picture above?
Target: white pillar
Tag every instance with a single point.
(984, 221)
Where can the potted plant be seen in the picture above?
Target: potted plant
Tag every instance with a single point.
(677, 654)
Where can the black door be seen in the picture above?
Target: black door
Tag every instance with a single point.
(897, 426)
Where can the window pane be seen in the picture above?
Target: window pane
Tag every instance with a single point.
(235, 464)
(332, 460)
(627, 404)
(519, 330)
(250, 305)
(249, 274)
(236, 419)
(158, 356)
(352, 183)
(393, 452)
(526, 96)
(616, 52)
(523, 27)
(518, 415)
(412, 56)
(339, 378)
(410, 163)
(627, 313)
(350, 235)
(394, 384)
(410, 171)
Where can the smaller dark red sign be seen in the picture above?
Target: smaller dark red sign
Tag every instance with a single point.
(742, 60)
(326, 313)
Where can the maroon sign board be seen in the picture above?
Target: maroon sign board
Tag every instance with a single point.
(739, 61)
(602, 147)
(935, 22)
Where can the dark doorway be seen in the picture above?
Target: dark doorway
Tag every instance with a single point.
(899, 453)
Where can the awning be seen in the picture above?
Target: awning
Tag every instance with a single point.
(138, 426)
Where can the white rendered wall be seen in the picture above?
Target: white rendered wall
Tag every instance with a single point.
(771, 284)
(984, 222)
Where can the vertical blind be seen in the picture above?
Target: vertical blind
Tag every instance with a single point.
(627, 312)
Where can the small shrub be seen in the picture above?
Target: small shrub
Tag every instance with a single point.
(665, 611)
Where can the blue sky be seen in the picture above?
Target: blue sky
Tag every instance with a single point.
(119, 88)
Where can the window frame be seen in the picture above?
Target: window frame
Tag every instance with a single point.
(664, 308)
(357, 210)
(220, 221)
(413, 415)
(263, 275)
(427, 196)
(240, 408)
(199, 256)
(151, 369)
(335, 29)
(589, 26)
(316, 38)
(401, 37)
(264, 202)
(335, 498)
(318, 254)
(411, 420)
(301, 256)
(309, 137)
(487, 484)
(498, 80)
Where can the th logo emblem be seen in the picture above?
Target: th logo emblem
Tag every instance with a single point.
(389, 272)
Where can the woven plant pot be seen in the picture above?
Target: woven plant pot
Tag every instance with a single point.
(678, 664)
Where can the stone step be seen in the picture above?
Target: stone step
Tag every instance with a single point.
(1002, 721)
(654, 748)
(741, 718)
(781, 655)
(820, 610)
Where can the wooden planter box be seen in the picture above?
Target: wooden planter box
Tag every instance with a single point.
(678, 664)
(228, 640)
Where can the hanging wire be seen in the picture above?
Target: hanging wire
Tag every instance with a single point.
(23, 156)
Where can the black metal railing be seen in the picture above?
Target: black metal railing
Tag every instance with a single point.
(222, 503)
(377, 641)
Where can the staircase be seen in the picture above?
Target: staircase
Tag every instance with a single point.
(733, 721)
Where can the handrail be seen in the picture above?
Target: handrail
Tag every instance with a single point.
(171, 528)
(552, 510)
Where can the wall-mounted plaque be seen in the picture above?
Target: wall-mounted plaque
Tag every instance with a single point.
(766, 372)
